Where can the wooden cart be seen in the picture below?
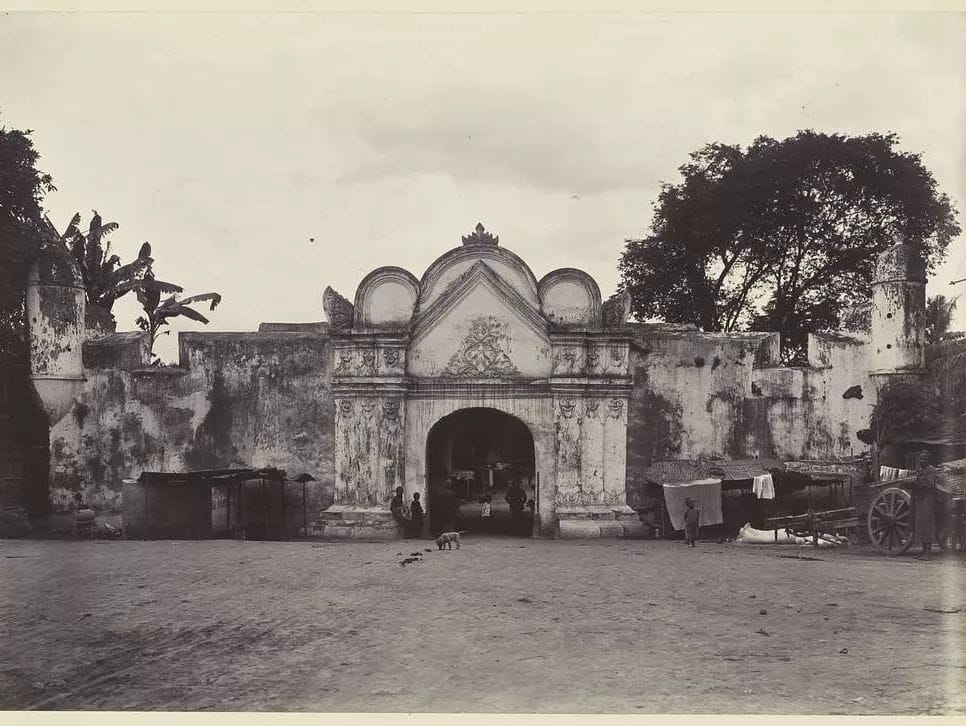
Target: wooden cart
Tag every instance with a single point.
(817, 525)
(891, 517)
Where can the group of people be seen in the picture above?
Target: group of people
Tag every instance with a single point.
(411, 517)
(446, 510)
(926, 506)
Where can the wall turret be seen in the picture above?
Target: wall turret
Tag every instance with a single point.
(898, 312)
(55, 320)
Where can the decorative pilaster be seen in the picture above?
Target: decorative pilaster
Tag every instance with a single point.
(592, 450)
(615, 451)
(369, 434)
(591, 387)
(567, 428)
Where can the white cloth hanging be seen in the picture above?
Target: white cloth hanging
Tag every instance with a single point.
(888, 473)
(706, 495)
(763, 486)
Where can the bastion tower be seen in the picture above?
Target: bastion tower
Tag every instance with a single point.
(897, 346)
(55, 319)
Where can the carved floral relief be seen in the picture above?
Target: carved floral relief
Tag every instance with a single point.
(617, 355)
(344, 367)
(483, 352)
(390, 356)
(565, 360)
(616, 407)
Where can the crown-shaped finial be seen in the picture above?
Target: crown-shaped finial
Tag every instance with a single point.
(480, 237)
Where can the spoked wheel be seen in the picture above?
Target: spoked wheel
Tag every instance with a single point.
(890, 521)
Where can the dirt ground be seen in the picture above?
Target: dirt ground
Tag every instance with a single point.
(503, 625)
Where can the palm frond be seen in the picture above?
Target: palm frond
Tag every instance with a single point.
(214, 297)
(192, 314)
(106, 229)
(73, 228)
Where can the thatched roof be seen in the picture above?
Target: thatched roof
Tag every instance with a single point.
(670, 472)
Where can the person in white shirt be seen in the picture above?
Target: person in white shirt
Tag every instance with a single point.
(486, 512)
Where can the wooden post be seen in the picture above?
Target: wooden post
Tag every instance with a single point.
(241, 500)
(261, 482)
(228, 505)
(281, 484)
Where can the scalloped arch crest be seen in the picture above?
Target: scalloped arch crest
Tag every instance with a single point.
(570, 298)
(448, 268)
(386, 298)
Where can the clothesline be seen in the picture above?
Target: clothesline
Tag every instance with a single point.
(888, 473)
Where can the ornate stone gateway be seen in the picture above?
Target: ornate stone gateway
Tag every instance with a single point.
(478, 331)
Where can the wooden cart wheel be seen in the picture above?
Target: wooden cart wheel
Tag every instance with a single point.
(890, 521)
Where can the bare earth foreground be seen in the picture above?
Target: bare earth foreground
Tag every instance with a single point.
(503, 625)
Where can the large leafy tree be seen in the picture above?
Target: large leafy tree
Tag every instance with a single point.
(22, 232)
(783, 235)
(23, 430)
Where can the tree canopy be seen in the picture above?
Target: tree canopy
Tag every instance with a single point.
(22, 232)
(783, 235)
(939, 316)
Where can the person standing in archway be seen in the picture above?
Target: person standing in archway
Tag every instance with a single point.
(516, 498)
(398, 509)
(415, 517)
(448, 508)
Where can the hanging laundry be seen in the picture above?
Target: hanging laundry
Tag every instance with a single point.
(888, 473)
(763, 486)
(706, 494)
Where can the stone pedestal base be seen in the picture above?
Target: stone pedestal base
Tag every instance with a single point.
(598, 521)
(345, 521)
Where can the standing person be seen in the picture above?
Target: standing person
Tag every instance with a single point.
(448, 507)
(959, 523)
(516, 498)
(398, 508)
(415, 517)
(692, 519)
(486, 512)
(925, 503)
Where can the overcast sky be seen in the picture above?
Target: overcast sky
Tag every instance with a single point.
(230, 141)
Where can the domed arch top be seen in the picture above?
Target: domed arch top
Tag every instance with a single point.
(386, 298)
(570, 298)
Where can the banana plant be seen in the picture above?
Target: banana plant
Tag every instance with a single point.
(157, 312)
(105, 278)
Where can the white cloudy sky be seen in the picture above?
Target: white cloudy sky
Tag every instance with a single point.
(229, 140)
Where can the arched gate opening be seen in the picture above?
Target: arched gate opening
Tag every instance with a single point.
(475, 457)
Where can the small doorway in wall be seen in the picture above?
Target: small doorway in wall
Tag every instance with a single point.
(477, 457)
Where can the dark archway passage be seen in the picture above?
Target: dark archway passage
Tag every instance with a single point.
(477, 454)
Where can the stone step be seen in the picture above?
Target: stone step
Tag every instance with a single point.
(346, 521)
(361, 531)
(597, 528)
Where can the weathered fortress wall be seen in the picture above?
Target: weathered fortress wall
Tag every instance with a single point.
(720, 395)
(353, 402)
(236, 399)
